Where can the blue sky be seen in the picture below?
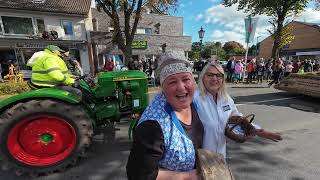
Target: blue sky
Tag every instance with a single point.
(225, 23)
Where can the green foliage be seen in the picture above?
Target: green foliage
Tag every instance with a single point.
(233, 47)
(13, 88)
(207, 49)
(278, 10)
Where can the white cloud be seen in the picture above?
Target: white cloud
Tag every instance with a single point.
(310, 15)
(232, 22)
(199, 17)
(225, 36)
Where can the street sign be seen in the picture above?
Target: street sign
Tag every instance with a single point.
(139, 45)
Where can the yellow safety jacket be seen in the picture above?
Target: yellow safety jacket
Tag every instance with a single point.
(50, 70)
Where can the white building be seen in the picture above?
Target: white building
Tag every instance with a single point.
(23, 23)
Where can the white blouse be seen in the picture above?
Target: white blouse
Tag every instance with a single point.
(214, 117)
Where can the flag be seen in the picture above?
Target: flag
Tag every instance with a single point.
(250, 25)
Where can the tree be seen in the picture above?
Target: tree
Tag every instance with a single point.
(231, 45)
(125, 16)
(279, 10)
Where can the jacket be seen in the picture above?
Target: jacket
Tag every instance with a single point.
(50, 70)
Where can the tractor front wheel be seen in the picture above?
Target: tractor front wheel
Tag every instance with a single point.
(43, 136)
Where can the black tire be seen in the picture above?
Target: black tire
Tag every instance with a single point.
(72, 115)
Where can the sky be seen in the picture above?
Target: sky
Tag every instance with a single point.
(226, 23)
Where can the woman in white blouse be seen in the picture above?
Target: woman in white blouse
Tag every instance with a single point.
(215, 107)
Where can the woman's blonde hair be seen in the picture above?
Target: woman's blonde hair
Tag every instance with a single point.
(222, 92)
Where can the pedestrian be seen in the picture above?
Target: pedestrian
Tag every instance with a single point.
(251, 70)
(215, 107)
(169, 131)
(288, 69)
(238, 70)
(260, 71)
(277, 72)
(230, 68)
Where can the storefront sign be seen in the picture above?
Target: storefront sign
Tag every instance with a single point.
(311, 53)
(32, 45)
(139, 45)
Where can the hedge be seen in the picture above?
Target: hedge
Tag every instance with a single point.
(13, 88)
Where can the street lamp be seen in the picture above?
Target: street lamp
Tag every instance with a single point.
(201, 35)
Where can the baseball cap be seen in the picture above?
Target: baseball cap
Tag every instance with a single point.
(54, 48)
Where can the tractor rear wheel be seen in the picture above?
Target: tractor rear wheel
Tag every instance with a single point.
(40, 137)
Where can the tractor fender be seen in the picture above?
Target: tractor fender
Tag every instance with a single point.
(40, 94)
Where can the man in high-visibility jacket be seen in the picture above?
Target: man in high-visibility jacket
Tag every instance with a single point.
(50, 70)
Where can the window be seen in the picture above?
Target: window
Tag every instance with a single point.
(148, 31)
(140, 31)
(157, 26)
(95, 24)
(67, 27)
(17, 25)
(40, 25)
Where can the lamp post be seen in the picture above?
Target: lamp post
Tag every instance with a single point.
(201, 35)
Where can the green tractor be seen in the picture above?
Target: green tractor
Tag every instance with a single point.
(47, 130)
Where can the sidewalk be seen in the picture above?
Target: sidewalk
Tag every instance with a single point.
(245, 85)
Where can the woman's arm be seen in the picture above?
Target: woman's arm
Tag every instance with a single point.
(146, 152)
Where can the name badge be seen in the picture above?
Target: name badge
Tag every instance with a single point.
(226, 108)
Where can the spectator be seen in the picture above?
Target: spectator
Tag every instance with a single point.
(250, 70)
(109, 65)
(230, 69)
(238, 70)
(118, 66)
(296, 65)
(277, 72)
(269, 70)
(288, 69)
(260, 71)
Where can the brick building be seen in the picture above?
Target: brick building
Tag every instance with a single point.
(156, 32)
(306, 44)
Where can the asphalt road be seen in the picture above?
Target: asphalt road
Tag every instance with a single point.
(295, 158)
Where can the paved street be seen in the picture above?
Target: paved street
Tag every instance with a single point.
(295, 158)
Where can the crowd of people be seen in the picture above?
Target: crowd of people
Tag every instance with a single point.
(259, 70)
(145, 66)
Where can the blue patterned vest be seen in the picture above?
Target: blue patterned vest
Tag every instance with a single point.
(179, 153)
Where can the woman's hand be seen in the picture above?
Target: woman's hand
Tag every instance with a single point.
(269, 135)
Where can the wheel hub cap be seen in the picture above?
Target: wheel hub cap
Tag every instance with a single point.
(41, 140)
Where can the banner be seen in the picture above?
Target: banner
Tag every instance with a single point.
(250, 25)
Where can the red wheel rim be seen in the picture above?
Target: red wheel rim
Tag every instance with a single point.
(41, 140)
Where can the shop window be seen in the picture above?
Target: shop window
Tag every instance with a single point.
(17, 25)
(40, 25)
(67, 27)
(148, 31)
(140, 31)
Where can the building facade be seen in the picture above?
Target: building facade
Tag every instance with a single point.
(155, 33)
(27, 26)
(306, 43)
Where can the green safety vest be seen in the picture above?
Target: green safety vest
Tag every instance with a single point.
(50, 70)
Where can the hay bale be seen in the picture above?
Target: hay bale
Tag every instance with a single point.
(212, 166)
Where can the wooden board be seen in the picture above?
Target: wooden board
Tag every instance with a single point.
(212, 166)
